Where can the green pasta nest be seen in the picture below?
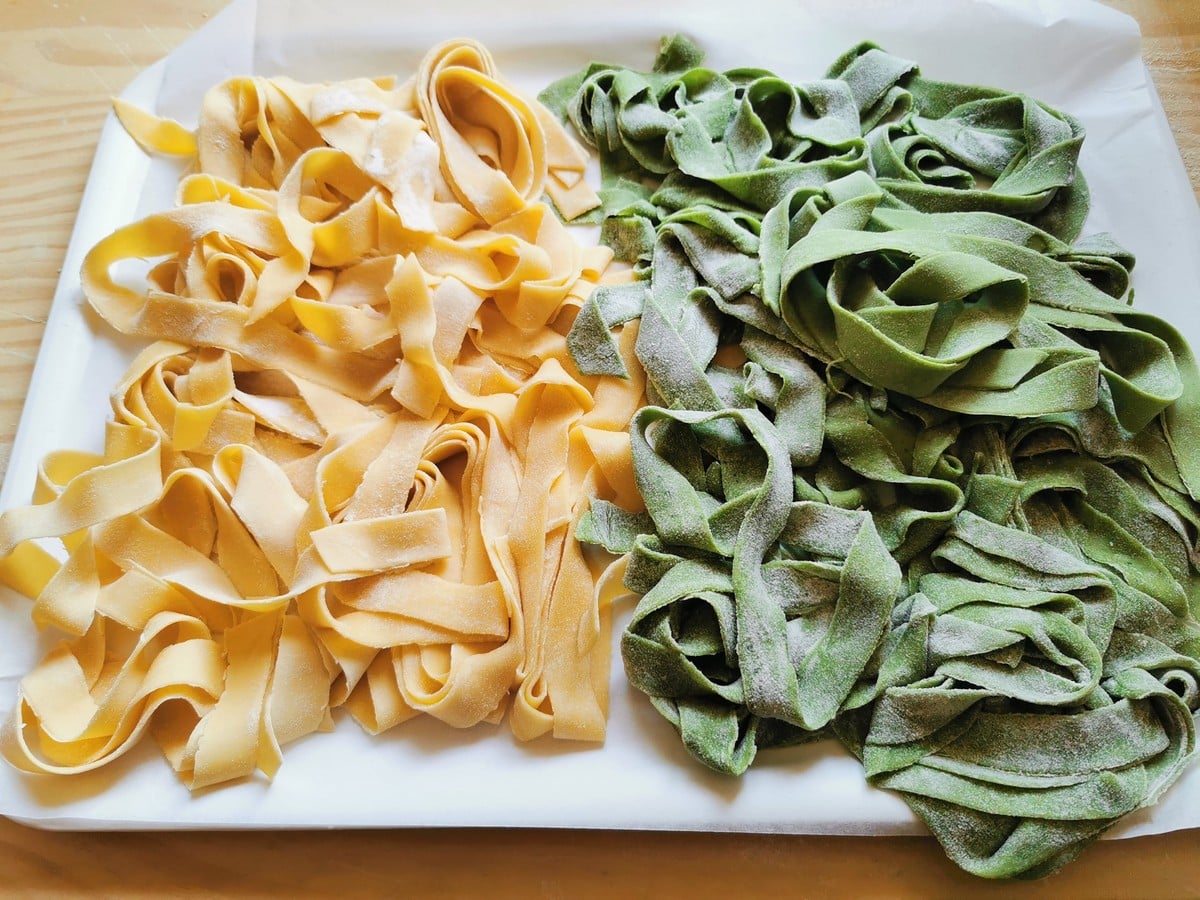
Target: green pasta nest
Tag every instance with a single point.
(916, 474)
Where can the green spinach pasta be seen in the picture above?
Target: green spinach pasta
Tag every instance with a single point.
(917, 476)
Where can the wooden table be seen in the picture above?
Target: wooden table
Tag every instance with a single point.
(59, 64)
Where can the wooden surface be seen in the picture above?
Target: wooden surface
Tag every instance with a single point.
(60, 61)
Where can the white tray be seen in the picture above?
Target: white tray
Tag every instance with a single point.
(1073, 54)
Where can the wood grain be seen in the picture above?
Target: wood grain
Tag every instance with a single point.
(60, 62)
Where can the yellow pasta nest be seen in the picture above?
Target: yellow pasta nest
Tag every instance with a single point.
(348, 470)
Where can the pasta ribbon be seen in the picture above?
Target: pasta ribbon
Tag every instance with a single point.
(499, 150)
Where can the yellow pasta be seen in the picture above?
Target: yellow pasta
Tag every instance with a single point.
(347, 469)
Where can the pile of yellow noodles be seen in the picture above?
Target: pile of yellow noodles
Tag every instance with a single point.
(348, 469)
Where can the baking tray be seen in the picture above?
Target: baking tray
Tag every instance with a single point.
(1074, 54)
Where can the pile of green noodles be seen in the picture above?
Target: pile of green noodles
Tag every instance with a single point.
(916, 474)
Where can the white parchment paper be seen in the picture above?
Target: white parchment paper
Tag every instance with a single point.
(1074, 54)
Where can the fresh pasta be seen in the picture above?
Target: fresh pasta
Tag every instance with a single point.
(917, 476)
(347, 469)
(874, 434)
